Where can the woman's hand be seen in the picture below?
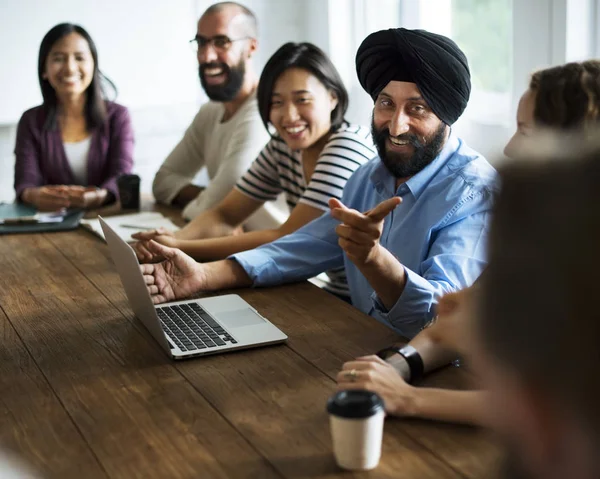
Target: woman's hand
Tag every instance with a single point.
(374, 374)
(152, 234)
(47, 198)
(144, 253)
(56, 197)
(87, 197)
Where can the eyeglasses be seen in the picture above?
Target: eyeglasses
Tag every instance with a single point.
(220, 43)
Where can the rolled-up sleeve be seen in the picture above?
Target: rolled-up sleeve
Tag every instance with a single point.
(456, 258)
(301, 255)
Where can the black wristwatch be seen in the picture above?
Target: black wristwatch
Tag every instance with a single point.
(412, 357)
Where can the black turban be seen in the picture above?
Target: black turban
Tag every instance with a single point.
(434, 62)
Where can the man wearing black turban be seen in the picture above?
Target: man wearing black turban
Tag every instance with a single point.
(433, 62)
(397, 263)
(425, 75)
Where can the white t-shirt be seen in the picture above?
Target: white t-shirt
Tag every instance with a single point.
(77, 156)
(227, 149)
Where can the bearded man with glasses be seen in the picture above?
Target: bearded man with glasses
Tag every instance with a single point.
(227, 133)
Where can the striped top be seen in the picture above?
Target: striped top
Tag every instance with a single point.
(278, 169)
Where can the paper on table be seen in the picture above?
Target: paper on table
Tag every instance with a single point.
(126, 225)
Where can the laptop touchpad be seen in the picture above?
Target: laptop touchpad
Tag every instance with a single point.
(239, 318)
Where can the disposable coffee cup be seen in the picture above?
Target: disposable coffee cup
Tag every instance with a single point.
(129, 191)
(356, 421)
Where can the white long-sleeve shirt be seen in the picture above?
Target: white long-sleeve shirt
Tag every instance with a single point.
(227, 149)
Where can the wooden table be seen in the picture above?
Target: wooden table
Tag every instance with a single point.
(86, 391)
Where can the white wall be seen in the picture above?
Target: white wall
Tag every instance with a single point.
(141, 44)
(143, 47)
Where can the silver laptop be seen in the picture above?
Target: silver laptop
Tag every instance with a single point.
(186, 329)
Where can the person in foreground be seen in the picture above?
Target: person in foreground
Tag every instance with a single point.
(227, 134)
(536, 333)
(565, 98)
(71, 149)
(420, 83)
(310, 158)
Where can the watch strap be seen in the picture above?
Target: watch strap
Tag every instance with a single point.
(412, 357)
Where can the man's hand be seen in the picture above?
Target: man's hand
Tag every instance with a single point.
(359, 233)
(176, 277)
(374, 374)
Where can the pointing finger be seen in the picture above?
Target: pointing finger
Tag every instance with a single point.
(335, 203)
(384, 208)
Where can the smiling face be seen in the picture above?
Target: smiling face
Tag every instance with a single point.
(301, 108)
(407, 133)
(525, 123)
(222, 61)
(69, 67)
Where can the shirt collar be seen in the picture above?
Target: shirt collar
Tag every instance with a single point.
(385, 182)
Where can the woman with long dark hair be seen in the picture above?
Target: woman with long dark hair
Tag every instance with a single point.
(71, 149)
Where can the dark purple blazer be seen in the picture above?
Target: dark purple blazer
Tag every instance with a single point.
(41, 159)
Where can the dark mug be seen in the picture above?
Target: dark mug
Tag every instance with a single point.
(129, 191)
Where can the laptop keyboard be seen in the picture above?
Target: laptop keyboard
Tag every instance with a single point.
(191, 327)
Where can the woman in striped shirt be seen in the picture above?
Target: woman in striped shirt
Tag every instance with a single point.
(312, 153)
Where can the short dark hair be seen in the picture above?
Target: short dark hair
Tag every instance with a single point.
(312, 59)
(539, 318)
(567, 96)
(95, 108)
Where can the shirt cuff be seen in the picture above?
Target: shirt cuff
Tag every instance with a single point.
(259, 266)
(414, 307)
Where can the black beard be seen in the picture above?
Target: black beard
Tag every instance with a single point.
(404, 166)
(232, 86)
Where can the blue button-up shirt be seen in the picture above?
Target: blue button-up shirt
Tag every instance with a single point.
(438, 233)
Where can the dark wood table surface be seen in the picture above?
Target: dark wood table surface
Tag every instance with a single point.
(87, 392)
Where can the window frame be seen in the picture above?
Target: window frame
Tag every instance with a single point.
(551, 39)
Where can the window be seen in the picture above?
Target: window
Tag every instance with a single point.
(504, 40)
(483, 30)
